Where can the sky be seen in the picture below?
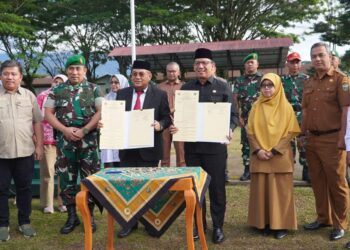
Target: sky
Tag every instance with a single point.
(306, 41)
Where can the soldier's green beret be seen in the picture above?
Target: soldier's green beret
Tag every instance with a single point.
(250, 57)
(335, 53)
(75, 60)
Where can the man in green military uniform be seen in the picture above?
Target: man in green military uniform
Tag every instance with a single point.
(245, 93)
(293, 84)
(73, 109)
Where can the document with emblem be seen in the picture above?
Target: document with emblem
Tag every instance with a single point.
(186, 115)
(200, 122)
(113, 133)
(140, 132)
(125, 130)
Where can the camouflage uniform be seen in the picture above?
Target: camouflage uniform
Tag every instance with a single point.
(246, 88)
(75, 105)
(293, 88)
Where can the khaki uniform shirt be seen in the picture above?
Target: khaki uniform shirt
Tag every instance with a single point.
(170, 90)
(18, 112)
(323, 100)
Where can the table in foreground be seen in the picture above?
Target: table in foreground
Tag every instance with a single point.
(153, 196)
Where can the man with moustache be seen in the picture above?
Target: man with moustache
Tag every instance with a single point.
(325, 103)
(293, 84)
(245, 93)
(73, 108)
(210, 156)
(143, 95)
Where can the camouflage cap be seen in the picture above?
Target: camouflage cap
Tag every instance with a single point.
(251, 56)
(75, 60)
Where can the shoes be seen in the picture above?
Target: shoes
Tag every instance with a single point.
(4, 233)
(48, 210)
(347, 245)
(62, 208)
(72, 220)
(336, 234)
(315, 225)
(245, 176)
(150, 233)
(125, 232)
(266, 231)
(218, 236)
(279, 234)
(27, 230)
(195, 234)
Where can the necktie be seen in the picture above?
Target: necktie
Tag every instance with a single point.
(138, 101)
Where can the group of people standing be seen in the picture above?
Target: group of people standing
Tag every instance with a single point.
(271, 111)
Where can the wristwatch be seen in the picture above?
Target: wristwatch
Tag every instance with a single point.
(86, 131)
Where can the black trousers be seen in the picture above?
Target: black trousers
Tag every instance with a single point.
(214, 165)
(132, 158)
(21, 170)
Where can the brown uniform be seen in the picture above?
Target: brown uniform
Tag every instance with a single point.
(271, 199)
(323, 100)
(167, 137)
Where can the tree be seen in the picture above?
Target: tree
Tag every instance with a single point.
(31, 38)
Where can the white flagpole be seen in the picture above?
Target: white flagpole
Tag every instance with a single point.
(133, 42)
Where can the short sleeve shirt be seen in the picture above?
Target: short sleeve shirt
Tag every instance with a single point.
(323, 100)
(18, 112)
(74, 105)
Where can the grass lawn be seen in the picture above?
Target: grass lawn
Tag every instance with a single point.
(238, 234)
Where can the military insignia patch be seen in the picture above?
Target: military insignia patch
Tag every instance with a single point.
(345, 86)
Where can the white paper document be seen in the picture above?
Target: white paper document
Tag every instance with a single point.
(125, 129)
(200, 122)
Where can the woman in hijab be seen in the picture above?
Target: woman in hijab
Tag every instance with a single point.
(271, 126)
(110, 157)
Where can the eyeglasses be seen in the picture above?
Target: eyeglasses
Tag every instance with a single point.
(141, 74)
(205, 63)
(267, 86)
(114, 82)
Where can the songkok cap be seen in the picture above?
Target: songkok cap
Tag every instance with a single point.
(140, 64)
(293, 56)
(203, 53)
(75, 60)
(63, 77)
(251, 56)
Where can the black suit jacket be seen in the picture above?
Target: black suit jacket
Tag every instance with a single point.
(157, 99)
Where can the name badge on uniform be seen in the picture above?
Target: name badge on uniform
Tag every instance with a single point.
(214, 91)
(345, 87)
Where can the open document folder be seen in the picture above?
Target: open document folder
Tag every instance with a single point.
(200, 121)
(125, 129)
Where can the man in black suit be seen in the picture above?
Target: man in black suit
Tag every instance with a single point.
(142, 95)
(210, 156)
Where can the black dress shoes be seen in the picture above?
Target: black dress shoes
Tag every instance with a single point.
(266, 231)
(315, 225)
(336, 234)
(218, 236)
(125, 232)
(195, 234)
(245, 176)
(347, 245)
(279, 234)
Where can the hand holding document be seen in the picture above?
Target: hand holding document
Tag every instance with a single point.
(125, 129)
(204, 122)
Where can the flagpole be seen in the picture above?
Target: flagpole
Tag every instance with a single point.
(133, 42)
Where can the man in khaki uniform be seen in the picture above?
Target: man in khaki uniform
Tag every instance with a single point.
(172, 84)
(325, 102)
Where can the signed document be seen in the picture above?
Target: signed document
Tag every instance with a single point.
(185, 117)
(125, 130)
(140, 129)
(200, 122)
(113, 118)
